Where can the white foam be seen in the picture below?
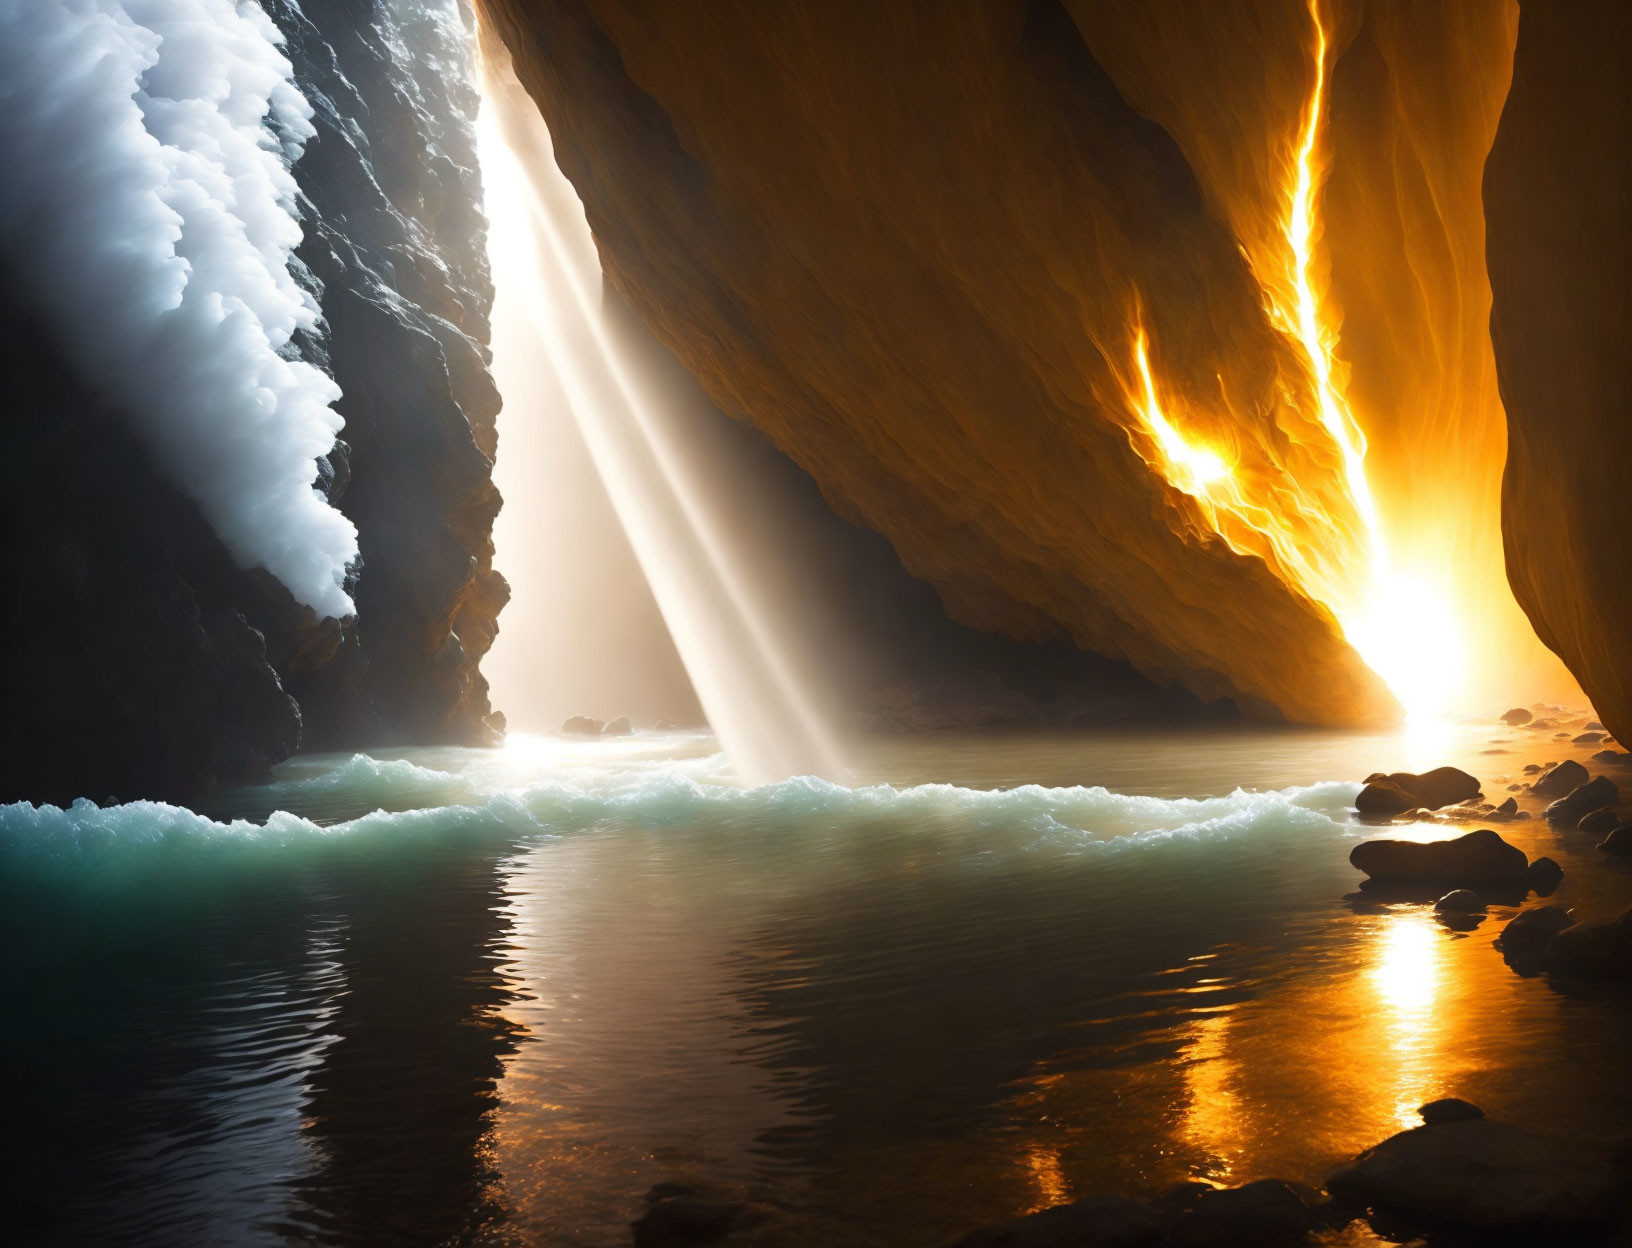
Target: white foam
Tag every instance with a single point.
(147, 200)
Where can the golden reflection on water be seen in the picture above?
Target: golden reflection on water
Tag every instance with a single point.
(1407, 971)
(1212, 1122)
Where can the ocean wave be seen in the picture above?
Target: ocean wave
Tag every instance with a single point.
(87, 843)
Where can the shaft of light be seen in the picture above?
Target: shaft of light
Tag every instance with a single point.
(764, 719)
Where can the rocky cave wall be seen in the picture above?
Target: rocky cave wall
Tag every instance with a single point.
(1557, 205)
(137, 660)
(908, 242)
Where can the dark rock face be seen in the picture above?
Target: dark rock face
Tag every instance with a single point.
(137, 660)
(1478, 858)
(129, 665)
(1480, 1175)
(396, 241)
(1450, 1109)
(1558, 253)
(1400, 791)
(1097, 1222)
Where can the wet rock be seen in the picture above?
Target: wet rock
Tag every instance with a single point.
(1559, 780)
(1593, 949)
(1615, 758)
(582, 726)
(1460, 901)
(1399, 791)
(1477, 858)
(1587, 738)
(1594, 726)
(1544, 875)
(1449, 1109)
(1096, 1222)
(1479, 1175)
(1598, 821)
(1531, 769)
(1619, 841)
(1530, 931)
(619, 727)
(1583, 799)
(1518, 715)
(1267, 1214)
(1509, 807)
(678, 1220)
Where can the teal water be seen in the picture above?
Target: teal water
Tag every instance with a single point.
(491, 997)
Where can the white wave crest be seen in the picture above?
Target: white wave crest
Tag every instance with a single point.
(148, 202)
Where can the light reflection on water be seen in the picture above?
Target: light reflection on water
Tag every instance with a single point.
(897, 1018)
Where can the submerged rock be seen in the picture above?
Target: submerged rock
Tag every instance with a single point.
(1481, 1175)
(1477, 858)
(1559, 780)
(1096, 1222)
(1400, 791)
(582, 726)
(1518, 715)
(1583, 799)
(677, 1216)
(1270, 1213)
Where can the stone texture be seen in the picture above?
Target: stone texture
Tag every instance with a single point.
(854, 271)
(1478, 858)
(1558, 254)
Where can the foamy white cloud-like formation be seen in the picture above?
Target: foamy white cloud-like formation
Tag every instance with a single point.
(147, 197)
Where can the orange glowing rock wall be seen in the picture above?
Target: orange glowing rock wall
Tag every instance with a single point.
(914, 244)
(1557, 197)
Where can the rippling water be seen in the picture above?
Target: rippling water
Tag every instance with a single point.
(491, 997)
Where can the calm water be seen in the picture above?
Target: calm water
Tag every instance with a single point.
(534, 982)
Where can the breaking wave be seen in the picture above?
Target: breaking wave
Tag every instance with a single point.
(149, 204)
(397, 804)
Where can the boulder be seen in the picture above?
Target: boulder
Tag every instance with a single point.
(1592, 949)
(1096, 1222)
(1559, 780)
(1583, 799)
(1617, 758)
(1544, 875)
(582, 726)
(1599, 821)
(1460, 901)
(1449, 1109)
(1587, 738)
(1478, 858)
(1400, 791)
(1474, 1174)
(619, 727)
(1509, 807)
(1619, 841)
(1518, 715)
(1530, 931)
(1267, 1214)
(1594, 726)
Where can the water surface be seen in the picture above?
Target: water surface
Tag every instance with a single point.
(491, 997)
